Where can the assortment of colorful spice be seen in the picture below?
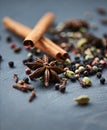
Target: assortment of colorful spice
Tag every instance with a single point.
(89, 56)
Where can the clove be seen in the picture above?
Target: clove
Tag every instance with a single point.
(21, 85)
(62, 87)
(15, 77)
(32, 96)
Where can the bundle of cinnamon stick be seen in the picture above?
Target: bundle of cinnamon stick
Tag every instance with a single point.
(34, 37)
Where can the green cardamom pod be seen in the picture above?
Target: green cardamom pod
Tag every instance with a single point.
(83, 99)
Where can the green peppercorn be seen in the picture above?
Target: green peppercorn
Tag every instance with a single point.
(95, 68)
(81, 42)
(87, 57)
(67, 62)
(87, 81)
(70, 34)
(77, 64)
(60, 27)
(93, 49)
(81, 68)
(77, 76)
(83, 30)
(77, 71)
(69, 73)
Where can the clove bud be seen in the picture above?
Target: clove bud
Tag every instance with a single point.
(32, 96)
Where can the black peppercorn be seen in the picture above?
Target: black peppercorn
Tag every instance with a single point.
(100, 69)
(62, 88)
(73, 67)
(11, 64)
(92, 72)
(26, 80)
(77, 57)
(24, 61)
(72, 78)
(0, 57)
(102, 80)
(78, 61)
(57, 86)
(8, 39)
(86, 73)
(99, 75)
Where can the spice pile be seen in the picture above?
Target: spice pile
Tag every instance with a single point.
(89, 54)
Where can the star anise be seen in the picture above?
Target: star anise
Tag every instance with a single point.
(43, 68)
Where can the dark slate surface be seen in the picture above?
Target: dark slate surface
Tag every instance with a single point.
(51, 110)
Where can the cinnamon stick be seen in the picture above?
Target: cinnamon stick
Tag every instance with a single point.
(16, 27)
(22, 31)
(50, 43)
(39, 29)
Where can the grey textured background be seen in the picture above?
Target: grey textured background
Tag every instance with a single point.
(51, 110)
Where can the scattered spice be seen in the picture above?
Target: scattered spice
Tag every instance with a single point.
(32, 96)
(22, 86)
(17, 49)
(73, 78)
(67, 62)
(83, 84)
(29, 55)
(26, 80)
(89, 51)
(57, 86)
(9, 39)
(99, 75)
(15, 77)
(101, 10)
(27, 71)
(12, 45)
(69, 73)
(42, 67)
(76, 24)
(62, 87)
(86, 73)
(87, 81)
(102, 80)
(11, 64)
(82, 100)
(1, 58)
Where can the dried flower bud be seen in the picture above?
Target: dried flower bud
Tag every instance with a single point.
(32, 96)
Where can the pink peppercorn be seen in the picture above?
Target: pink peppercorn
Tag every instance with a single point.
(75, 51)
(66, 68)
(12, 45)
(27, 47)
(103, 62)
(27, 71)
(88, 67)
(94, 62)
